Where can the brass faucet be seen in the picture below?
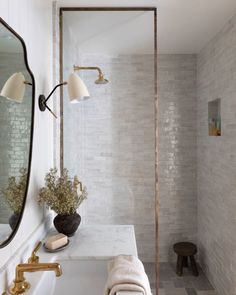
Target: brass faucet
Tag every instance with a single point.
(20, 285)
(33, 258)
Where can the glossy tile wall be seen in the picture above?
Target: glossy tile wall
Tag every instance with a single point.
(216, 161)
(114, 150)
(178, 198)
(177, 152)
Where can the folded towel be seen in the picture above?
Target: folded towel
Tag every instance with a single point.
(126, 273)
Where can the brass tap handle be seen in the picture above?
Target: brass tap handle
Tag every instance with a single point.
(33, 258)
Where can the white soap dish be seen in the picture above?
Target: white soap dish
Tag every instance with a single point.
(58, 249)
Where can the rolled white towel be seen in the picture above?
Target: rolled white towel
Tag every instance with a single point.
(126, 273)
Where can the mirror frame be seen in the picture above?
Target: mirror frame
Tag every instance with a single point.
(122, 9)
(13, 233)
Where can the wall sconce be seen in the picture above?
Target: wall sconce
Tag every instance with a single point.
(76, 88)
(14, 88)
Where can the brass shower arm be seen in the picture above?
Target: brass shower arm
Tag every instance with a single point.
(100, 80)
(79, 68)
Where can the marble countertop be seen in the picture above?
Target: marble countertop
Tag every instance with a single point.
(97, 242)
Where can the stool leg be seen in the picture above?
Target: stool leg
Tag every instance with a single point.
(194, 266)
(179, 266)
(185, 261)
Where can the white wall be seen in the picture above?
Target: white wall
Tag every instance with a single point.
(32, 19)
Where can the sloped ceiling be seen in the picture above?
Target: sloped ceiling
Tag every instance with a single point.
(184, 26)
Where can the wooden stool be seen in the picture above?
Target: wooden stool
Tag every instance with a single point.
(185, 250)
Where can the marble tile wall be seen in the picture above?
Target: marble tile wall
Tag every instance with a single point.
(109, 142)
(177, 152)
(216, 161)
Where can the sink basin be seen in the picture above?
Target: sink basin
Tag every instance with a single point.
(79, 277)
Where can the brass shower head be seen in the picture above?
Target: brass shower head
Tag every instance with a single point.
(100, 80)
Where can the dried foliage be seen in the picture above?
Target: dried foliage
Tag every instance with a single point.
(14, 193)
(60, 193)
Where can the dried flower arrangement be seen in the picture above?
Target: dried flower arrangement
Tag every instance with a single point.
(61, 194)
(14, 193)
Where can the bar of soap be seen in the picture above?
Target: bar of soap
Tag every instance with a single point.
(56, 241)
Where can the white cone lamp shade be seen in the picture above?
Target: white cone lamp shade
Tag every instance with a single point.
(77, 89)
(14, 88)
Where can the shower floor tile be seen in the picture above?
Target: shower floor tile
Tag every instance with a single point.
(171, 284)
(185, 285)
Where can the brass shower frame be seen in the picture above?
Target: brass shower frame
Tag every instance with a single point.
(122, 8)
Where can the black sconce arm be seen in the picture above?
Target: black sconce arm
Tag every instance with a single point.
(43, 100)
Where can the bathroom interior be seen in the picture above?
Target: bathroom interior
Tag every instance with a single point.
(126, 109)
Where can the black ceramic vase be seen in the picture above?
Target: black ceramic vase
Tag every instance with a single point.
(67, 224)
(13, 220)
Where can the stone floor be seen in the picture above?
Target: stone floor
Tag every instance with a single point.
(171, 284)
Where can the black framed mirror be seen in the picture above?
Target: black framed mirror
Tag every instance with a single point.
(17, 91)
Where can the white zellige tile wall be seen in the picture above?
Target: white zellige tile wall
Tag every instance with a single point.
(216, 161)
(109, 142)
(177, 152)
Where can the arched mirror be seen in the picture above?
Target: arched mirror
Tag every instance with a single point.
(16, 130)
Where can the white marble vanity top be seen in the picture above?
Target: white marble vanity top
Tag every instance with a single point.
(97, 242)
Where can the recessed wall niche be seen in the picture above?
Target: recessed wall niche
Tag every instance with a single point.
(214, 117)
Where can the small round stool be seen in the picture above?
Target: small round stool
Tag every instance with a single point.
(183, 251)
